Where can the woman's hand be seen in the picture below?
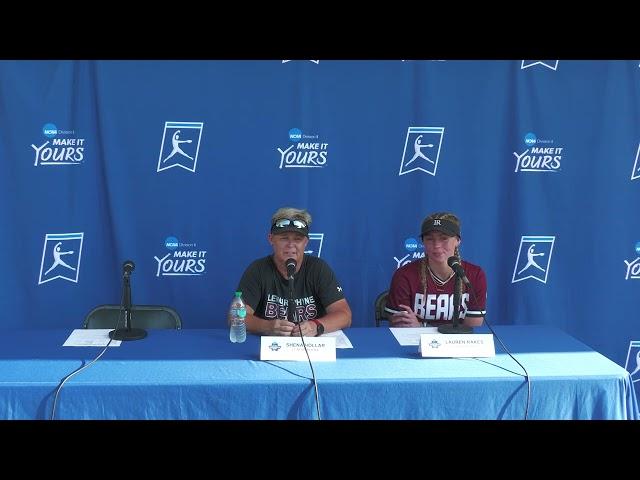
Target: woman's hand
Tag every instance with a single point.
(406, 318)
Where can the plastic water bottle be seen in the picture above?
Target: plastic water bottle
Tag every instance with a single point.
(237, 324)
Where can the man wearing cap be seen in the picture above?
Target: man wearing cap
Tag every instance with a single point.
(421, 292)
(320, 305)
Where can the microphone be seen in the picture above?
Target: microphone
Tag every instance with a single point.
(291, 267)
(127, 332)
(291, 270)
(127, 267)
(454, 263)
(455, 327)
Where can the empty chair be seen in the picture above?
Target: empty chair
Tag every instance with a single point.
(142, 316)
(381, 303)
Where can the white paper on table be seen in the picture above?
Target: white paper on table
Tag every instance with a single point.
(342, 341)
(90, 337)
(411, 335)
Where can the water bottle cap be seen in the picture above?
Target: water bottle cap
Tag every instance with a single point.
(238, 293)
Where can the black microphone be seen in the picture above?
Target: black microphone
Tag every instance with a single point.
(127, 267)
(291, 267)
(127, 332)
(291, 270)
(454, 263)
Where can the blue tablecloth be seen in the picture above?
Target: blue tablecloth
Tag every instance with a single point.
(199, 374)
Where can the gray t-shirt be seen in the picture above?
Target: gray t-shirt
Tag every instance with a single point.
(266, 291)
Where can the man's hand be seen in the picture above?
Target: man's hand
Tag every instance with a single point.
(309, 329)
(281, 328)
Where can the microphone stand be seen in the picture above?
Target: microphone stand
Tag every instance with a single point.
(455, 327)
(290, 309)
(127, 333)
(292, 318)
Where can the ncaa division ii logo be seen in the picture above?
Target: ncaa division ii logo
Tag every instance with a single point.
(180, 145)
(415, 249)
(183, 259)
(304, 152)
(61, 257)
(421, 150)
(534, 258)
(633, 267)
(62, 151)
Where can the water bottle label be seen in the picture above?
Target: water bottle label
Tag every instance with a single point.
(242, 312)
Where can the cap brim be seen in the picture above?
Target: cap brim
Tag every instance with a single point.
(290, 228)
(441, 229)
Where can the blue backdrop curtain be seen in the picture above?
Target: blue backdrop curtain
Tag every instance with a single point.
(178, 166)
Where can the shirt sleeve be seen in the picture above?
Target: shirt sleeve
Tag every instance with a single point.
(399, 292)
(329, 290)
(251, 286)
(478, 302)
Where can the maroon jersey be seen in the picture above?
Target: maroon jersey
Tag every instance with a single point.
(406, 289)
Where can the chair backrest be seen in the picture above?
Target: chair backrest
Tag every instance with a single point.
(381, 302)
(142, 316)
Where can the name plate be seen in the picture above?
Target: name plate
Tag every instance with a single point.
(321, 348)
(457, 345)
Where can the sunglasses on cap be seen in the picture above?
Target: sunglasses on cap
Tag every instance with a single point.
(285, 222)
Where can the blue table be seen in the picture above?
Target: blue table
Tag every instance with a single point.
(199, 374)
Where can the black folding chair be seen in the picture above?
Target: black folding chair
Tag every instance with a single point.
(381, 302)
(142, 316)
